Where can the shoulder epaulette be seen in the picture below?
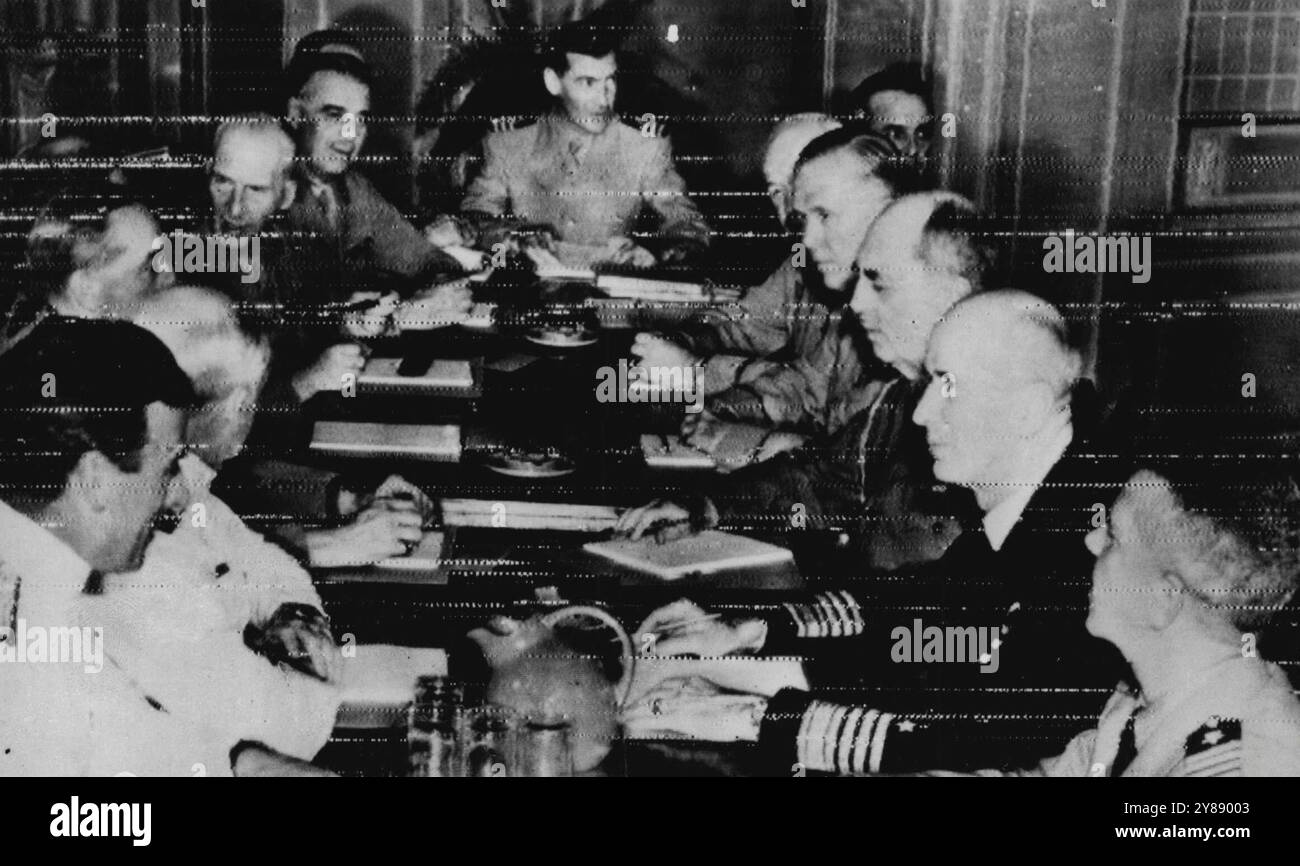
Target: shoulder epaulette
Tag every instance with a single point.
(1214, 749)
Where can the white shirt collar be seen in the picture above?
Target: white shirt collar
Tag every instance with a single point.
(53, 575)
(197, 476)
(1003, 517)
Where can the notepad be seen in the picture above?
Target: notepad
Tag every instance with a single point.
(426, 556)
(382, 373)
(489, 514)
(418, 441)
(706, 553)
(670, 452)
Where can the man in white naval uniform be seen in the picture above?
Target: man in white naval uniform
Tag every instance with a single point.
(1180, 588)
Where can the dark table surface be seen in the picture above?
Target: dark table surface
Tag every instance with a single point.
(550, 403)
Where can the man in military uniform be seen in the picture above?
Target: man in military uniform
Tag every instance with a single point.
(1003, 417)
(872, 479)
(790, 355)
(580, 172)
(1180, 586)
(360, 232)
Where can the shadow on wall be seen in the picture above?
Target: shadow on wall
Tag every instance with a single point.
(1049, 192)
(388, 46)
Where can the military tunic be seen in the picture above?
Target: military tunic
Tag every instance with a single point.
(1239, 718)
(588, 188)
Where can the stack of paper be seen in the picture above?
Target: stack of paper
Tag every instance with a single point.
(671, 452)
(651, 290)
(415, 441)
(488, 514)
(382, 374)
(706, 553)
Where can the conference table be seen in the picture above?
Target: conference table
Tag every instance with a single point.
(530, 396)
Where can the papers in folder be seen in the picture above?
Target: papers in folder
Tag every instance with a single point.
(486, 514)
(382, 374)
(706, 553)
(417, 441)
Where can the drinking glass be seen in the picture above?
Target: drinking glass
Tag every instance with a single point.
(433, 728)
(489, 737)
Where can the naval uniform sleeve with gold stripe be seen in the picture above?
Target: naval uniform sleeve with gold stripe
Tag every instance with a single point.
(871, 713)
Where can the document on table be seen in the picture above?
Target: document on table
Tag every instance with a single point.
(418, 441)
(381, 373)
(706, 553)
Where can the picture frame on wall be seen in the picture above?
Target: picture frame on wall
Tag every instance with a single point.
(1241, 166)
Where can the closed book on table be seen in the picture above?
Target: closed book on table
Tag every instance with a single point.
(387, 374)
(415, 441)
(706, 553)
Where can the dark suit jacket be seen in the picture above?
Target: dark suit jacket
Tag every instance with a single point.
(1052, 678)
(869, 494)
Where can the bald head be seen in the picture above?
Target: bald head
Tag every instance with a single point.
(1001, 372)
(1033, 342)
(919, 258)
(250, 181)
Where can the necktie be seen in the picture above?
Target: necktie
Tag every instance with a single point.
(578, 148)
(1127, 745)
(329, 203)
